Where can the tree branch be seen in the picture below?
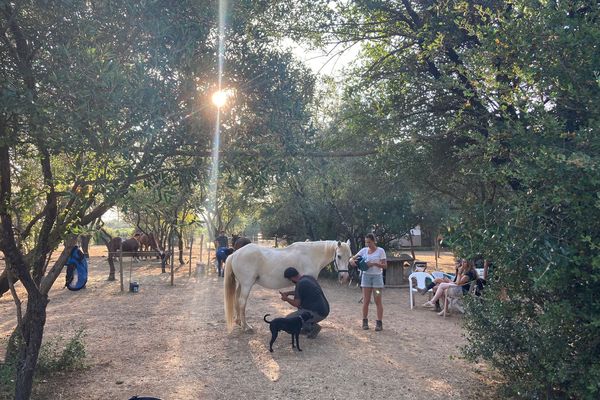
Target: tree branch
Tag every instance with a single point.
(11, 285)
(56, 269)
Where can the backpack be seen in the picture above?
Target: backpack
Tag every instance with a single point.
(77, 270)
(361, 263)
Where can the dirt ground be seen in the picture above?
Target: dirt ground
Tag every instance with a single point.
(171, 342)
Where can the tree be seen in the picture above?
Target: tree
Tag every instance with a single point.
(488, 105)
(95, 98)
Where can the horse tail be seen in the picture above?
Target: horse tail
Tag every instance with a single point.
(229, 293)
(265, 318)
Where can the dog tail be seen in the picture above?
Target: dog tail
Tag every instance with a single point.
(229, 293)
(265, 318)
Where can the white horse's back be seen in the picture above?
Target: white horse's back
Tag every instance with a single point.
(265, 265)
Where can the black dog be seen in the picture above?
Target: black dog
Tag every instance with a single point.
(292, 325)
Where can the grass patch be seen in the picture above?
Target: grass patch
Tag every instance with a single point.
(60, 355)
(7, 380)
(56, 356)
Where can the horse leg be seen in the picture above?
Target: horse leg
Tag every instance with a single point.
(244, 293)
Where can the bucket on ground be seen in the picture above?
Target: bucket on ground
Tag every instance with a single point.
(134, 287)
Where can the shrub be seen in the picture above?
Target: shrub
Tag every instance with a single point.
(57, 356)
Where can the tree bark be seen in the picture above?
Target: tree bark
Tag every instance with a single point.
(106, 238)
(4, 282)
(180, 244)
(85, 245)
(29, 349)
(111, 272)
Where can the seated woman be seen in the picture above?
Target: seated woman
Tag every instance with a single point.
(448, 278)
(466, 274)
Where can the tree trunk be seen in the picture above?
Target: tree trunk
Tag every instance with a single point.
(111, 265)
(85, 245)
(4, 282)
(106, 238)
(33, 330)
(179, 235)
(412, 247)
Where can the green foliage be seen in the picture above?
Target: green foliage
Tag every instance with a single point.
(489, 107)
(7, 380)
(58, 355)
(98, 100)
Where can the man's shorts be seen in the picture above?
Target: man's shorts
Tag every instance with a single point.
(371, 281)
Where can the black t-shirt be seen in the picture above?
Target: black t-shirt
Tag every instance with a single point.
(221, 241)
(311, 296)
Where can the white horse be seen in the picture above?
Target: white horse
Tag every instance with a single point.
(254, 264)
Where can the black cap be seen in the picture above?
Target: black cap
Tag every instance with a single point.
(290, 273)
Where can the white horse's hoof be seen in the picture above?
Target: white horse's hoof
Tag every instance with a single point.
(248, 329)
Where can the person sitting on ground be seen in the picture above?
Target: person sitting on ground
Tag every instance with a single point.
(308, 296)
(461, 286)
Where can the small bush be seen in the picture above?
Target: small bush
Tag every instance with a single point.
(57, 356)
(7, 380)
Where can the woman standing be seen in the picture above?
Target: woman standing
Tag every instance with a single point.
(372, 279)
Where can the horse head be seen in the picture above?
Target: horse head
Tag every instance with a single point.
(343, 253)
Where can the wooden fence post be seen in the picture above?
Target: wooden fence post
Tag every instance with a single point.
(208, 260)
(121, 264)
(201, 247)
(172, 258)
(191, 248)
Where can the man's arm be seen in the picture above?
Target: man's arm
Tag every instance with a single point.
(294, 302)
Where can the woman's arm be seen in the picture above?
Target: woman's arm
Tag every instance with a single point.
(382, 263)
(353, 259)
(463, 279)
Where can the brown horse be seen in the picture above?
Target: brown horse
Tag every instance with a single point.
(241, 242)
(148, 241)
(114, 246)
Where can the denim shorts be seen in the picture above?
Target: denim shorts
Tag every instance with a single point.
(371, 281)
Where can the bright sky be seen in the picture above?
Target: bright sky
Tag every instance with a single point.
(330, 61)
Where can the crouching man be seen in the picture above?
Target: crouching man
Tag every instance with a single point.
(308, 296)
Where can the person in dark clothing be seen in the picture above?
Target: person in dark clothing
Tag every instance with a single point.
(308, 296)
(222, 254)
(221, 240)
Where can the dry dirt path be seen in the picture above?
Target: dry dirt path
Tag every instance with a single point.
(171, 342)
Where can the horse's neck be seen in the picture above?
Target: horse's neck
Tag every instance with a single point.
(327, 254)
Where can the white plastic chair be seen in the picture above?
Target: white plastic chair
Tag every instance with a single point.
(437, 274)
(420, 278)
